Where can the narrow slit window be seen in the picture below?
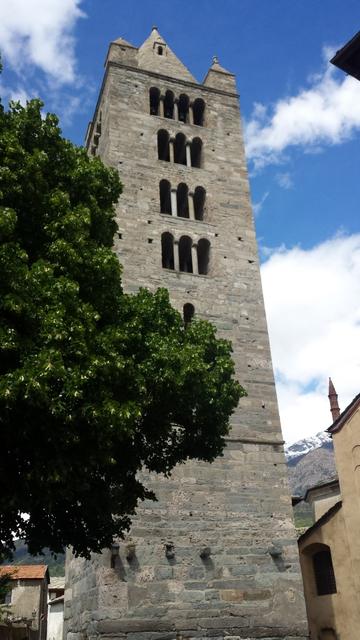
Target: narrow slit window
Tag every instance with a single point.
(182, 197)
(165, 196)
(203, 252)
(188, 313)
(199, 111)
(154, 97)
(167, 251)
(180, 149)
(199, 203)
(169, 105)
(196, 153)
(183, 108)
(163, 145)
(185, 258)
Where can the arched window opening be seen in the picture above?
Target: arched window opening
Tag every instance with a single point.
(184, 108)
(160, 50)
(182, 200)
(167, 250)
(165, 196)
(324, 572)
(203, 252)
(199, 203)
(328, 634)
(169, 105)
(188, 313)
(180, 149)
(196, 147)
(163, 145)
(185, 259)
(154, 95)
(199, 111)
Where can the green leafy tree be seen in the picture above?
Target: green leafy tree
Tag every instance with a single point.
(94, 384)
(5, 587)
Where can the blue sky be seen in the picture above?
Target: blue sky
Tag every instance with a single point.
(302, 124)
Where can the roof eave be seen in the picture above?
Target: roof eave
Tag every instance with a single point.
(342, 58)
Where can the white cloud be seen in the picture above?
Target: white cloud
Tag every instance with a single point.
(38, 33)
(284, 180)
(18, 93)
(257, 206)
(313, 307)
(326, 112)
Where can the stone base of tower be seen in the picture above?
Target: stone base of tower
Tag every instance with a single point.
(215, 557)
(114, 631)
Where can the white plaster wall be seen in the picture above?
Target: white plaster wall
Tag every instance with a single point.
(55, 621)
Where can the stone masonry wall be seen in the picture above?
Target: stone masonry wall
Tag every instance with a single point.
(216, 556)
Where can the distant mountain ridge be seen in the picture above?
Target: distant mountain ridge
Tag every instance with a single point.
(302, 447)
(310, 462)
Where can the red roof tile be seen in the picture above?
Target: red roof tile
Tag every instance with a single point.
(25, 571)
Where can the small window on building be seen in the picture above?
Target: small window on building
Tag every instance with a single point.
(188, 313)
(165, 196)
(163, 145)
(183, 108)
(203, 252)
(196, 153)
(180, 149)
(182, 199)
(169, 105)
(154, 97)
(199, 203)
(185, 258)
(324, 572)
(198, 111)
(167, 250)
(160, 50)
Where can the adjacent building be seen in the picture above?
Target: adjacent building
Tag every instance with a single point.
(330, 549)
(348, 57)
(55, 608)
(26, 602)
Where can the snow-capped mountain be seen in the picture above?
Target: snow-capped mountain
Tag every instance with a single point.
(310, 462)
(302, 447)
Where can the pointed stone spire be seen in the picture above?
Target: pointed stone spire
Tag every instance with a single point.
(333, 397)
(220, 78)
(156, 55)
(123, 42)
(122, 52)
(216, 66)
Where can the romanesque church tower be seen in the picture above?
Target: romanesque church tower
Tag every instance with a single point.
(216, 556)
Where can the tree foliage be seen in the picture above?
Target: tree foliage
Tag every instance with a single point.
(94, 384)
(5, 587)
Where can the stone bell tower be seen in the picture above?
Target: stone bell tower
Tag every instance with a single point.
(216, 556)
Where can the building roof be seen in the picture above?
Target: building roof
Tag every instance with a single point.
(216, 66)
(324, 518)
(25, 571)
(56, 600)
(167, 64)
(57, 582)
(345, 415)
(348, 58)
(334, 482)
(123, 42)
